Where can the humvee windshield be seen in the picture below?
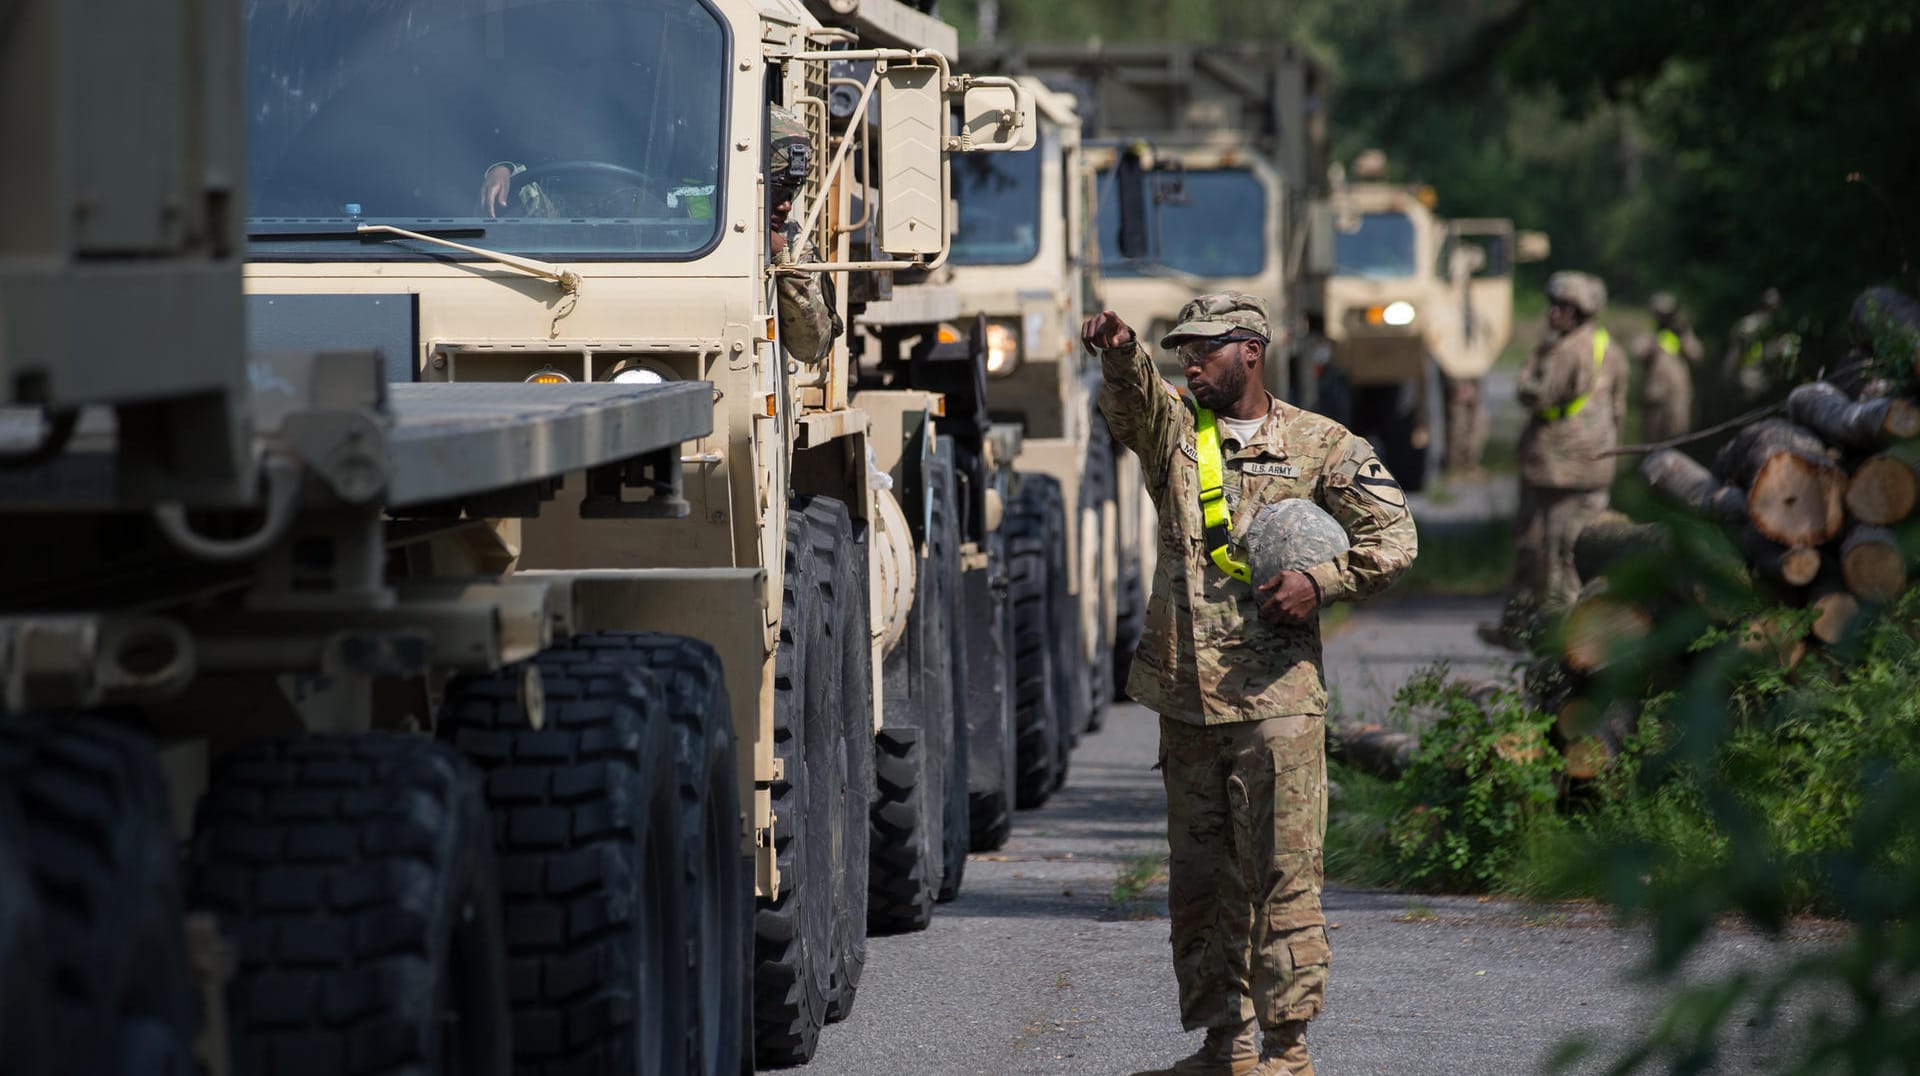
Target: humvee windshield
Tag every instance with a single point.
(999, 196)
(1210, 223)
(393, 111)
(1379, 247)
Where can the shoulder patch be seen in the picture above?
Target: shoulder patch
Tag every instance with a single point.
(1359, 469)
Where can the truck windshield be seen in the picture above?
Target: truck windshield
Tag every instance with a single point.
(606, 115)
(999, 196)
(1380, 247)
(1210, 223)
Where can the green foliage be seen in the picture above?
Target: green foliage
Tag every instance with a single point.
(1462, 559)
(1480, 784)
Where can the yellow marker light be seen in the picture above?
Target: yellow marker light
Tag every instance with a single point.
(548, 376)
(770, 326)
(773, 405)
(1427, 196)
(939, 405)
(1376, 315)
(949, 334)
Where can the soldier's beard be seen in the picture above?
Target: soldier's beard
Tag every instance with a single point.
(1222, 393)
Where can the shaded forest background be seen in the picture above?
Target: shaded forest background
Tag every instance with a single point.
(1711, 147)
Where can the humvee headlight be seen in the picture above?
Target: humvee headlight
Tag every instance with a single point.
(1003, 350)
(547, 375)
(1398, 313)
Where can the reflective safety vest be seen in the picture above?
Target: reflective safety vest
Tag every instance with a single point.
(1669, 341)
(1579, 403)
(1215, 517)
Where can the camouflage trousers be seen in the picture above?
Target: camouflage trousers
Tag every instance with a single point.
(1544, 578)
(1246, 814)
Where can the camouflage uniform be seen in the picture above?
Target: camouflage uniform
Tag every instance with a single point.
(1563, 476)
(808, 323)
(1466, 428)
(1666, 359)
(1242, 701)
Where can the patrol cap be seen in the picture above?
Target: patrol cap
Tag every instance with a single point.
(1582, 291)
(1219, 313)
(1663, 304)
(786, 131)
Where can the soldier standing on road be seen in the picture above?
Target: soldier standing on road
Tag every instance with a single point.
(1574, 388)
(1666, 359)
(1234, 669)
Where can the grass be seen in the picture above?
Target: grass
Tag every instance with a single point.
(1462, 560)
(1134, 882)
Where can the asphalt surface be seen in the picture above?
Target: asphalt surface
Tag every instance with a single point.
(1044, 965)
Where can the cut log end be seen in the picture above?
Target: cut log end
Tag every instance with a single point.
(1797, 501)
(1596, 626)
(1872, 564)
(1883, 490)
(1835, 611)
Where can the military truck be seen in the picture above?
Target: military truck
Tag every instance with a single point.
(1023, 258)
(504, 612)
(1211, 161)
(1412, 298)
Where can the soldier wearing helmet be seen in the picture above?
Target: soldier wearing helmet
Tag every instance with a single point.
(1231, 661)
(1574, 390)
(1666, 358)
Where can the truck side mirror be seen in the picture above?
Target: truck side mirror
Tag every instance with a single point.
(1136, 227)
(997, 115)
(1531, 246)
(912, 162)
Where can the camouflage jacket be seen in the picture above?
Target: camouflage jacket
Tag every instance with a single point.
(1563, 452)
(1206, 657)
(806, 317)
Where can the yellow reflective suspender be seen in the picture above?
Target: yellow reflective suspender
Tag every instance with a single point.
(1579, 403)
(1669, 341)
(1214, 515)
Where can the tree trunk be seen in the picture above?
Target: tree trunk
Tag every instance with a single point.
(1827, 411)
(1740, 459)
(1611, 536)
(1872, 564)
(1772, 637)
(1793, 565)
(1596, 626)
(1682, 480)
(1797, 499)
(1883, 489)
(1836, 608)
(1373, 749)
(1886, 320)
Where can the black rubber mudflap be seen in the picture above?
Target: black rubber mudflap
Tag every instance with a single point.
(356, 876)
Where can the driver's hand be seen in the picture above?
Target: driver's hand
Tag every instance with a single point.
(493, 189)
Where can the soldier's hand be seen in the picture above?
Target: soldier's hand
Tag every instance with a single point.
(1105, 331)
(1288, 598)
(493, 189)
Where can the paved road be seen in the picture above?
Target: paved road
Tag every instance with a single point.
(1040, 968)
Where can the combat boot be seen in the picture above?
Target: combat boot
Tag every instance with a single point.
(1284, 1052)
(1228, 1051)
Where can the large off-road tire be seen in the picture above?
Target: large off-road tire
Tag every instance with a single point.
(1130, 623)
(23, 955)
(1041, 506)
(844, 659)
(913, 758)
(1097, 495)
(356, 876)
(795, 946)
(681, 686)
(98, 878)
(1037, 722)
(943, 548)
(992, 774)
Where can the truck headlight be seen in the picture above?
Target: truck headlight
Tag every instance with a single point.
(638, 373)
(1398, 313)
(1003, 350)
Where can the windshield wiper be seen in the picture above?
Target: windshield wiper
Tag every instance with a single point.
(568, 280)
(355, 231)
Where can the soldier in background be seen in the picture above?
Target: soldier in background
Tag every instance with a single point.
(1755, 348)
(1666, 359)
(1232, 665)
(1574, 388)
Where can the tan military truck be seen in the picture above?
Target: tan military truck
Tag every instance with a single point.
(1412, 298)
(1023, 259)
(496, 697)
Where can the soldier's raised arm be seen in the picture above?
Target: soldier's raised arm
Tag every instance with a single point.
(1358, 491)
(1141, 411)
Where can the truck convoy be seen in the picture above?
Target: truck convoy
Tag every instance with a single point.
(1414, 300)
(545, 669)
